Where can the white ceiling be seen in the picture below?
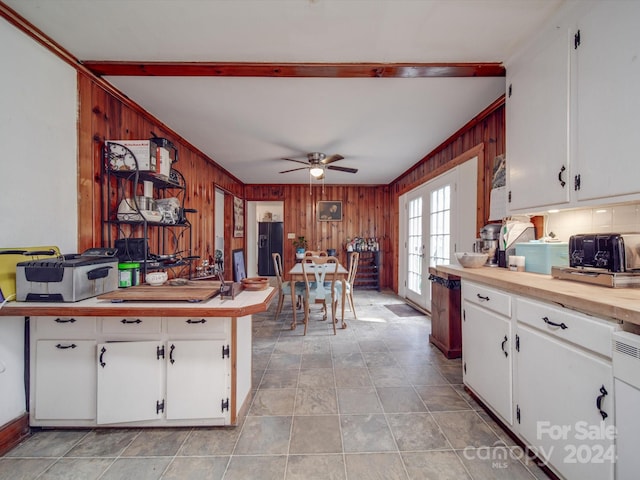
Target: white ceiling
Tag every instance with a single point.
(382, 126)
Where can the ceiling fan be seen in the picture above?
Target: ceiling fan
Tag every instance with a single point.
(317, 162)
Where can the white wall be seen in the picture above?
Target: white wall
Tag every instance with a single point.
(38, 175)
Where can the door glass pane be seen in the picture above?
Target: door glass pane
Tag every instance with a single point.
(414, 246)
(440, 221)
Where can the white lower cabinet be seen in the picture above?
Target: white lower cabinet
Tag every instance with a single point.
(130, 382)
(189, 394)
(486, 347)
(148, 371)
(486, 358)
(565, 405)
(141, 381)
(64, 380)
(547, 372)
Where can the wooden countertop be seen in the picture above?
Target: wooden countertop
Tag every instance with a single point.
(246, 303)
(621, 304)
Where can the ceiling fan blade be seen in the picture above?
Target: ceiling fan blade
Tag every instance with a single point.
(331, 159)
(343, 169)
(297, 161)
(294, 169)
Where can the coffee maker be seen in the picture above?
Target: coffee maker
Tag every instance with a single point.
(488, 242)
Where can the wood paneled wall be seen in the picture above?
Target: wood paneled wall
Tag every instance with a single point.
(483, 135)
(365, 213)
(104, 115)
(368, 211)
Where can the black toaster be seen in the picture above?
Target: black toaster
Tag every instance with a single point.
(614, 252)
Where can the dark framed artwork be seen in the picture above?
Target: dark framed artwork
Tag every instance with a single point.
(238, 217)
(237, 260)
(329, 211)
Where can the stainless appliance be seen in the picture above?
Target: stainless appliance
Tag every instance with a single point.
(610, 259)
(488, 242)
(67, 278)
(270, 241)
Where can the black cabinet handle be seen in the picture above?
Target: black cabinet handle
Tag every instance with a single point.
(60, 320)
(171, 359)
(562, 182)
(124, 321)
(102, 352)
(202, 320)
(502, 346)
(481, 297)
(553, 324)
(64, 347)
(603, 393)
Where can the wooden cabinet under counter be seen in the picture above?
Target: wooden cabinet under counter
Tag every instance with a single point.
(446, 333)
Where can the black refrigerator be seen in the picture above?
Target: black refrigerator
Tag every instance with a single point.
(270, 240)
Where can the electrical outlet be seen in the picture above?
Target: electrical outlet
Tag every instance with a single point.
(291, 236)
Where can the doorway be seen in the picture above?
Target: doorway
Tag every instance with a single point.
(438, 216)
(259, 212)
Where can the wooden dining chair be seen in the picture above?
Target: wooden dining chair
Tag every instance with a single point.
(320, 279)
(347, 284)
(315, 253)
(286, 288)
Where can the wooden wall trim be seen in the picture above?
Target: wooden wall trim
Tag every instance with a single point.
(13, 432)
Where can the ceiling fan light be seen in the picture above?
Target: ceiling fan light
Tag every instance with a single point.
(316, 171)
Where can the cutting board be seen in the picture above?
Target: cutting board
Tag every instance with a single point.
(192, 292)
(8, 264)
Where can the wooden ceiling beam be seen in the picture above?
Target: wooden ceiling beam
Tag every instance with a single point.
(327, 70)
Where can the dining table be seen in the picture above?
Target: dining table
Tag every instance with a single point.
(297, 275)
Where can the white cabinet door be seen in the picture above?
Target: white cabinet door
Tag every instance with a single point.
(130, 381)
(198, 379)
(608, 103)
(537, 126)
(559, 389)
(486, 355)
(65, 380)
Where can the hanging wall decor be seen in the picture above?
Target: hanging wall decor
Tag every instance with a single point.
(329, 211)
(238, 217)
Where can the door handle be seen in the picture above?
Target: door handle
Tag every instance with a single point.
(506, 354)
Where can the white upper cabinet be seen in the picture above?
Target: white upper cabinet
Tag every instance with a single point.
(607, 90)
(537, 110)
(571, 111)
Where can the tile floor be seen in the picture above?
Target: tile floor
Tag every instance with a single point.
(376, 401)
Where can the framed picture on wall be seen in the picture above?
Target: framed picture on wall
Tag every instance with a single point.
(238, 217)
(329, 211)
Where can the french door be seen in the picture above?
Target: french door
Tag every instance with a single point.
(439, 215)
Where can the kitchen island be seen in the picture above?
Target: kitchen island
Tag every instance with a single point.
(139, 363)
(538, 353)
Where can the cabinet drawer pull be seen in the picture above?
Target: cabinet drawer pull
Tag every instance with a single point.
(502, 346)
(60, 320)
(202, 320)
(171, 349)
(64, 347)
(124, 321)
(553, 324)
(603, 393)
(482, 298)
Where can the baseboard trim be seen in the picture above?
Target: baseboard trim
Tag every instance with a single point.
(13, 433)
